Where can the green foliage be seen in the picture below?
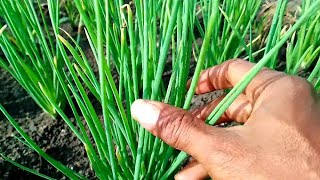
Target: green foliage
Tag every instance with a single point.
(25, 168)
(230, 30)
(29, 49)
(132, 44)
(304, 47)
(72, 15)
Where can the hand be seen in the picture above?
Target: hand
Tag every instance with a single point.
(279, 138)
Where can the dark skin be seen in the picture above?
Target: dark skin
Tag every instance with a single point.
(279, 138)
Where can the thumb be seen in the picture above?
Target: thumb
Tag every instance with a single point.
(177, 127)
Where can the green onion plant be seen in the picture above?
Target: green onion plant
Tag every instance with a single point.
(303, 49)
(29, 49)
(133, 45)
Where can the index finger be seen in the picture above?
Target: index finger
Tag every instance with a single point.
(229, 73)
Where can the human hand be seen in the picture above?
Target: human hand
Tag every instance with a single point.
(279, 138)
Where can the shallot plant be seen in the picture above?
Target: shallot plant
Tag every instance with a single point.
(29, 48)
(133, 45)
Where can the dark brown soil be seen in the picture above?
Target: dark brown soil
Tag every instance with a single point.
(52, 135)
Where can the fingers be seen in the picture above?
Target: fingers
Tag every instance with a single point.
(192, 171)
(213, 79)
(240, 110)
(178, 128)
(229, 73)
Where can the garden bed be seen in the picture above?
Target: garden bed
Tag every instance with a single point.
(54, 135)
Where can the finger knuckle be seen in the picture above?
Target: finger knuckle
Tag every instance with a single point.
(297, 87)
(175, 127)
(237, 62)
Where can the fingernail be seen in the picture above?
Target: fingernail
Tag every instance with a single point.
(145, 113)
(188, 83)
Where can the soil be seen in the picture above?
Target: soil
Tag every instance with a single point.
(52, 135)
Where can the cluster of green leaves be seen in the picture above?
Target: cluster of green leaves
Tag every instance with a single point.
(29, 49)
(303, 50)
(135, 42)
(72, 15)
(231, 28)
(304, 47)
